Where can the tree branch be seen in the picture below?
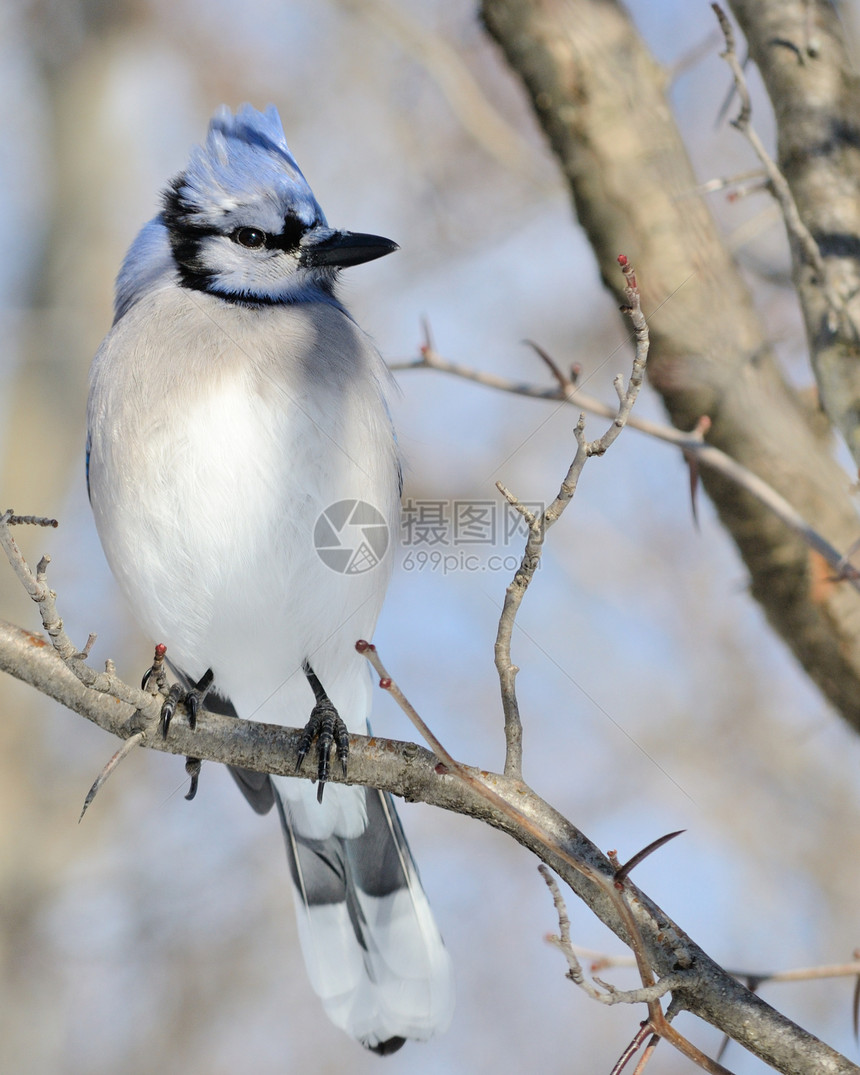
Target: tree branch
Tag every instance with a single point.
(599, 97)
(662, 949)
(692, 445)
(413, 773)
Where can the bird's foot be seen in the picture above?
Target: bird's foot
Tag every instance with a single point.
(325, 725)
(155, 680)
(192, 698)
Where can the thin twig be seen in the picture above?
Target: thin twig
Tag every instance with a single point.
(632, 1049)
(743, 183)
(627, 396)
(516, 590)
(368, 650)
(603, 961)
(692, 444)
(37, 587)
(28, 520)
(606, 994)
(538, 525)
(647, 1054)
(798, 232)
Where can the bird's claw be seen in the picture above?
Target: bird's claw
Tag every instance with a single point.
(175, 695)
(326, 726)
(192, 698)
(192, 767)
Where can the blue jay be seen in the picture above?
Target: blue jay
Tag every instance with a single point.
(236, 413)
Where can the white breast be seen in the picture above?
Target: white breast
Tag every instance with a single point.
(212, 459)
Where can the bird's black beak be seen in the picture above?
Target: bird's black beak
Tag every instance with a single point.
(340, 249)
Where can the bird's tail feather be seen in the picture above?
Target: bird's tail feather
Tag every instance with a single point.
(371, 945)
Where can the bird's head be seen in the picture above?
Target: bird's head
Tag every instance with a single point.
(244, 224)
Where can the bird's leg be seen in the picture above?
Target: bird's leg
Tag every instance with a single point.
(326, 726)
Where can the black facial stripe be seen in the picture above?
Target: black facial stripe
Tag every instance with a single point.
(292, 233)
(185, 244)
(289, 238)
(208, 283)
(178, 214)
(186, 239)
(194, 279)
(275, 242)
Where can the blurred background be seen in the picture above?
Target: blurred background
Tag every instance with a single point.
(158, 935)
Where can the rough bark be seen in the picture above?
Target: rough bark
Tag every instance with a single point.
(599, 97)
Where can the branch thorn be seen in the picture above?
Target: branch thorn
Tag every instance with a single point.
(124, 750)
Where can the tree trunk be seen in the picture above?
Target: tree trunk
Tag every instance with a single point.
(600, 99)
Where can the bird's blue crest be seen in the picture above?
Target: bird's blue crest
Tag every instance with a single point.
(245, 161)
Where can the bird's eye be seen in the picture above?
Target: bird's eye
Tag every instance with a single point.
(253, 238)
